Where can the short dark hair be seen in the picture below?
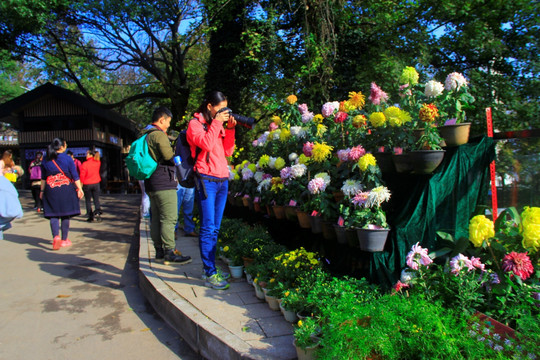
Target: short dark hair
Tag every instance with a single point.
(161, 112)
(69, 152)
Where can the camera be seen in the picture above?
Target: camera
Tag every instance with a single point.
(241, 119)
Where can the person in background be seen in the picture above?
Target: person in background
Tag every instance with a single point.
(8, 167)
(35, 180)
(145, 201)
(91, 179)
(75, 160)
(207, 131)
(186, 199)
(10, 206)
(60, 198)
(161, 188)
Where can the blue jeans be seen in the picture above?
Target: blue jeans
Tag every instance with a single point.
(186, 197)
(211, 212)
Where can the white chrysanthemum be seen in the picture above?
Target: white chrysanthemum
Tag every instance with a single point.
(298, 131)
(433, 88)
(246, 174)
(293, 156)
(272, 162)
(454, 81)
(377, 196)
(298, 170)
(264, 185)
(324, 176)
(258, 176)
(351, 187)
(276, 134)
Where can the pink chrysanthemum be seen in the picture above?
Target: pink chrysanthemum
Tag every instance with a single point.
(308, 148)
(343, 155)
(356, 153)
(307, 117)
(316, 185)
(285, 173)
(273, 126)
(418, 256)
(377, 95)
(360, 198)
(303, 108)
(459, 262)
(329, 108)
(477, 263)
(399, 285)
(519, 264)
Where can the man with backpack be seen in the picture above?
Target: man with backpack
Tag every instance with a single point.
(161, 188)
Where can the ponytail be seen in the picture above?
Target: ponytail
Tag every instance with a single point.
(54, 146)
(213, 98)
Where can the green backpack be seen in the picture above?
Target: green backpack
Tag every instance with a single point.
(140, 164)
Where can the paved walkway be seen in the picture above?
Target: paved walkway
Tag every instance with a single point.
(229, 324)
(81, 302)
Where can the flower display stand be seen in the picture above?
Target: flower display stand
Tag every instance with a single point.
(372, 240)
(456, 134)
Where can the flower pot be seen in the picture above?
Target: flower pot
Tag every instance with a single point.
(236, 271)
(270, 211)
(258, 292)
(279, 211)
(402, 163)
(257, 206)
(245, 201)
(341, 236)
(328, 230)
(303, 219)
(352, 237)
(426, 161)
(385, 163)
(372, 240)
(247, 261)
(230, 199)
(290, 213)
(306, 354)
(455, 135)
(249, 278)
(303, 314)
(272, 302)
(239, 201)
(316, 224)
(289, 316)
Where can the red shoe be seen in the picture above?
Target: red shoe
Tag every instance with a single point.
(66, 243)
(57, 243)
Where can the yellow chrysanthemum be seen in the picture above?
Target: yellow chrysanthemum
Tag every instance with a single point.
(377, 119)
(321, 151)
(225, 249)
(252, 167)
(480, 229)
(321, 129)
(280, 163)
(236, 176)
(264, 160)
(303, 159)
(318, 119)
(284, 135)
(357, 99)
(299, 323)
(359, 120)
(276, 120)
(365, 161)
(292, 99)
(238, 167)
(530, 222)
(277, 184)
(346, 106)
(393, 115)
(244, 163)
(409, 76)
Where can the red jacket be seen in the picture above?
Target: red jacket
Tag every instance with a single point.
(90, 172)
(217, 141)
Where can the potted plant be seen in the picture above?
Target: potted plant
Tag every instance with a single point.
(428, 153)
(370, 219)
(306, 338)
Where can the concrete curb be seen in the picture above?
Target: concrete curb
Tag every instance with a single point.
(203, 335)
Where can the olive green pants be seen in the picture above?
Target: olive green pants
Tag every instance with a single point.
(164, 214)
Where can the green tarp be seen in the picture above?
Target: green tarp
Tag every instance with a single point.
(426, 204)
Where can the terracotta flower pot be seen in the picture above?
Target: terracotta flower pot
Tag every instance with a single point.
(455, 135)
(279, 211)
(303, 219)
(290, 213)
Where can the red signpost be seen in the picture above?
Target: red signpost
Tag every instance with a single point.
(492, 167)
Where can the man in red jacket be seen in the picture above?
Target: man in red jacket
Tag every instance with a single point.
(90, 179)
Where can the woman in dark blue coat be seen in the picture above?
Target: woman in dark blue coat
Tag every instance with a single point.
(60, 191)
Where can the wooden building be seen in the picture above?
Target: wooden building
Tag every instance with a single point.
(50, 111)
